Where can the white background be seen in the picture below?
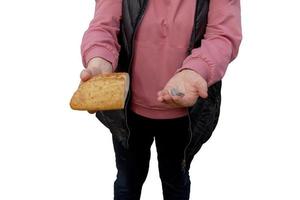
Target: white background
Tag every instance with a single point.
(50, 152)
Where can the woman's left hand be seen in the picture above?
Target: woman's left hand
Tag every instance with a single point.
(188, 85)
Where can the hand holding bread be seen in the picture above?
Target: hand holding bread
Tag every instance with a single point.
(100, 88)
(95, 66)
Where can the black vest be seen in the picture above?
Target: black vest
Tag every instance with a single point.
(203, 115)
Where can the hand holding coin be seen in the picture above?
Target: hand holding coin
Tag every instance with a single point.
(183, 89)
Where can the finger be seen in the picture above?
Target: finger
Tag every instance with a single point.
(203, 93)
(177, 99)
(85, 75)
(161, 94)
(160, 98)
(174, 101)
(202, 90)
(166, 96)
(169, 102)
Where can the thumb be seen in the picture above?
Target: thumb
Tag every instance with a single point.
(85, 74)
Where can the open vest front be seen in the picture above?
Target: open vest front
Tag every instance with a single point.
(203, 115)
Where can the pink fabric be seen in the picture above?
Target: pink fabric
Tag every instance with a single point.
(161, 43)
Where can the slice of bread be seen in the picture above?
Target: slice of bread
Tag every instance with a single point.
(102, 92)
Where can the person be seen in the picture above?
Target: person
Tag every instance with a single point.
(176, 53)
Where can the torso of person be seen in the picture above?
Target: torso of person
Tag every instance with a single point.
(161, 44)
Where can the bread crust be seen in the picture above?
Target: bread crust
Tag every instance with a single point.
(102, 92)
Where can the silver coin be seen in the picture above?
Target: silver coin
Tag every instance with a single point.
(175, 92)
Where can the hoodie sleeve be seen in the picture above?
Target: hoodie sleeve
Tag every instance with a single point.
(100, 39)
(220, 43)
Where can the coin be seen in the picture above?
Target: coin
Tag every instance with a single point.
(175, 92)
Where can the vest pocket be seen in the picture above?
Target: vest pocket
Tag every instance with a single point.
(100, 116)
(115, 121)
(205, 115)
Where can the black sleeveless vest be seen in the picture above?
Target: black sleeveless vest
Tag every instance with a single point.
(203, 115)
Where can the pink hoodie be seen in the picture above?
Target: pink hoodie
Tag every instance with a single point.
(161, 46)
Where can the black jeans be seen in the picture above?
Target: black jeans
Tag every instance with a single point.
(171, 137)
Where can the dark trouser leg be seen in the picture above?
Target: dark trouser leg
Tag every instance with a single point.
(171, 137)
(133, 163)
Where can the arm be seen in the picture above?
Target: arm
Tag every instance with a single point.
(100, 39)
(220, 43)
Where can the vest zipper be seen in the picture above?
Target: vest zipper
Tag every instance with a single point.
(129, 66)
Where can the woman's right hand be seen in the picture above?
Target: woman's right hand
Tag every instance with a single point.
(94, 67)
